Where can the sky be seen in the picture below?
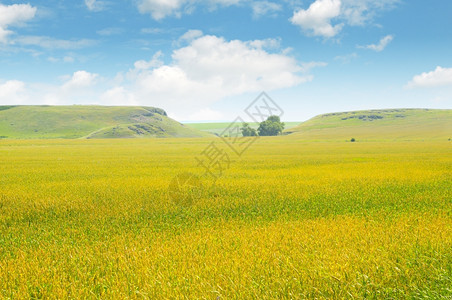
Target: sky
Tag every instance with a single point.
(207, 60)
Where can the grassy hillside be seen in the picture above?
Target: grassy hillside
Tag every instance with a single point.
(131, 122)
(79, 121)
(218, 128)
(389, 124)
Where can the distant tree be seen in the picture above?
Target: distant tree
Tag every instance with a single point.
(353, 140)
(271, 127)
(274, 119)
(247, 130)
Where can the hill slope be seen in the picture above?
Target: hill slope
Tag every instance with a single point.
(387, 124)
(91, 121)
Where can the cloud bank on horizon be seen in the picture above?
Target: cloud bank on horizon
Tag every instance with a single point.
(198, 58)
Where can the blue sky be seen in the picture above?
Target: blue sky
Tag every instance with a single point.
(208, 59)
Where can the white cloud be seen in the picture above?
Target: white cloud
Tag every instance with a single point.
(12, 15)
(381, 45)
(3, 34)
(78, 88)
(261, 8)
(51, 43)
(53, 59)
(65, 59)
(12, 92)
(68, 59)
(205, 114)
(270, 44)
(152, 30)
(154, 62)
(346, 59)
(16, 15)
(211, 68)
(441, 99)
(360, 12)
(160, 9)
(206, 70)
(191, 35)
(316, 20)
(224, 2)
(118, 96)
(306, 67)
(110, 31)
(95, 5)
(353, 12)
(80, 79)
(439, 77)
(81, 87)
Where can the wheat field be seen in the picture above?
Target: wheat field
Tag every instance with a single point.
(288, 219)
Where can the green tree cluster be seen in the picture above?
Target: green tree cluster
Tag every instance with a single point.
(247, 130)
(270, 127)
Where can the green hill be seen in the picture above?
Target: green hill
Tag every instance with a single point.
(387, 124)
(90, 121)
(80, 121)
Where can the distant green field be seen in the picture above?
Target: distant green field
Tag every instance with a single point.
(93, 122)
(218, 128)
(89, 121)
(389, 124)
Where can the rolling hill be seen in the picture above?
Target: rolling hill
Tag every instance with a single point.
(95, 122)
(387, 124)
(81, 121)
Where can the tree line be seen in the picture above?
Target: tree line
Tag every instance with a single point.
(270, 127)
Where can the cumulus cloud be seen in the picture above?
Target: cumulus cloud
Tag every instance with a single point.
(80, 79)
(439, 77)
(262, 8)
(118, 95)
(316, 20)
(154, 62)
(81, 87)
(211, 68)
(12, 92)
(381, 45)
(13, 15)
(326, 18)
(205, 70)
